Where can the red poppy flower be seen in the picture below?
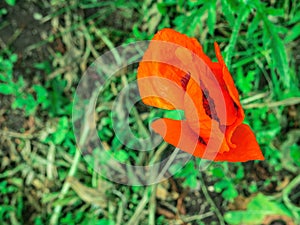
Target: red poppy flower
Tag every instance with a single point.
(176, 74)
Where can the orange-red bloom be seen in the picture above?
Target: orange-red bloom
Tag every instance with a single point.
(176, 74)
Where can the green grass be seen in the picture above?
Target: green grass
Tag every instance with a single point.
(44, 179)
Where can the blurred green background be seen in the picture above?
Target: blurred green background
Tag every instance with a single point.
(45, 48)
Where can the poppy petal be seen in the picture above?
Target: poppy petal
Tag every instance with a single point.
(183, 40)
(179, 134)
(199, 116)
(161, 92)
(246, 149)
(169, 56)
(233, 93)
(164, 59)
(227, 77)
(205, 91)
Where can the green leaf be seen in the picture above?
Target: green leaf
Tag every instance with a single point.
(240, 173)
(20, 84)
(188, 169)
(230, 192)
(226, 10)
(41, 93)
(3, 11)
(244, 217)
(174, 114)
(279, 57)
(243, 14)
(188, 23)
(253, 26)
(61, 130)
(227, 188)
(295, 18)
(253, 188)
(293, 34)
(263, 203)
(25, 101)
(162, 8)
(259, 207)
(235, 4)
(45, 66)
(295, 154)
(5, 209)
(274, 12)
(121, 155)
(218, 172)
(30, 105)
(245, 84)
(281, 29)
(6, 89)
(220, 185)
(188, 172)
(190, 181)
(105, 222)
(13, 58)
(11, 2)
(3, 77)
(116, 144)
(211, 20)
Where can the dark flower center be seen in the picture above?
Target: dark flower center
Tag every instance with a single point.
(209, 105)
(200, 139)
(185, 80)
